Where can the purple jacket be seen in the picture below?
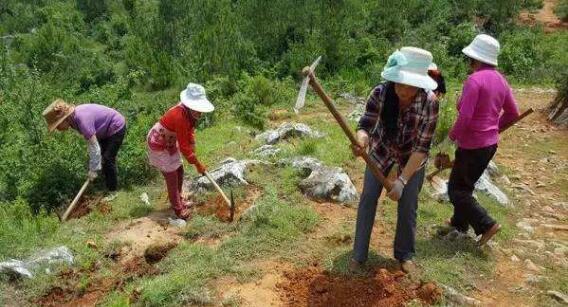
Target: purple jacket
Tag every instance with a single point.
(94, 119)
(486, 104)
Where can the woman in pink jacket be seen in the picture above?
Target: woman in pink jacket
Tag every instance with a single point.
(486, 104)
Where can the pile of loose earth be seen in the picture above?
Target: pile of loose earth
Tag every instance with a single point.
(314, 287)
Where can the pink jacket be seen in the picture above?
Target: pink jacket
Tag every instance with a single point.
(486, 104)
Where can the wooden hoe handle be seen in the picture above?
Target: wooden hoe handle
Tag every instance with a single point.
(75, 200)
(341, 121)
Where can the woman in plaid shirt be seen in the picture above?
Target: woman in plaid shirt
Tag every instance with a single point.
(397, 128)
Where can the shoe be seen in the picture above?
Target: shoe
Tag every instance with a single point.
(355, 266)
(110, 197)
(489, 234)
(407, 266)
(184, 214)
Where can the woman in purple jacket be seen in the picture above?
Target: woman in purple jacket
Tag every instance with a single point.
(486, 104)
(103, 128)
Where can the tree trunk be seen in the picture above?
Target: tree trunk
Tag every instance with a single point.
(559, 107)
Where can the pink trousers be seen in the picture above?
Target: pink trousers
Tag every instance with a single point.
(174, 182)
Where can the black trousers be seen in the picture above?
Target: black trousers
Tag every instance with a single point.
(469, 165)
(109, 151)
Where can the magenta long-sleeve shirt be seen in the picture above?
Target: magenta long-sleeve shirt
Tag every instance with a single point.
(486, 104)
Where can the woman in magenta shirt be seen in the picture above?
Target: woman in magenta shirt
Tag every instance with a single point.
(486, 104)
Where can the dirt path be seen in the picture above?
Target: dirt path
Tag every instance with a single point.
(545, 16)
(536, 153)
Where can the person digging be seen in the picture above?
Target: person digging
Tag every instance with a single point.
(397, 128)
(175, 133)
(486, 105)
(436, 74)
(104, 129)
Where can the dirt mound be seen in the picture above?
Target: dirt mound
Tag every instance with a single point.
(313, 287)
(140, 234)
(73, 291)
(156, 252)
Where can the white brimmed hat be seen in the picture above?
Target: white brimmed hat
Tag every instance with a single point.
(483, 48)
(194, 98)
(410, 66)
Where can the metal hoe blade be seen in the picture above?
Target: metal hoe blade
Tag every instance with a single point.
(304, 88)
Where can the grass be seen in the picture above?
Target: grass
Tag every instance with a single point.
(278, 228)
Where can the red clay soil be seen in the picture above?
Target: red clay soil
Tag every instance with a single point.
(70, 292)
(313, 287)
(218, 207)
(87, 204)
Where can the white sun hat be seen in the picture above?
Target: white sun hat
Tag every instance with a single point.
(433, 66)
(194, 98)
(483, 48)
(409, 66)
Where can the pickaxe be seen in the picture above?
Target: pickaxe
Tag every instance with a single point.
(311, 79)
(450, 164)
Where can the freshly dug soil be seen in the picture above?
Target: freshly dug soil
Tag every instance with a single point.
(313, 287)
(70, 289)
(87, 204)
(156, 252)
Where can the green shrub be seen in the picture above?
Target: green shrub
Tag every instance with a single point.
(21, 230)
(561, 10)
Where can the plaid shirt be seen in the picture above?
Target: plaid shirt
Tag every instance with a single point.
(416, 125)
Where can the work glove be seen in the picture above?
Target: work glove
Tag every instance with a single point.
(92, 175)
(200, 167)
(396, 191)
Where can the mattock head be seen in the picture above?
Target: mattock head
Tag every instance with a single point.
(304, 87)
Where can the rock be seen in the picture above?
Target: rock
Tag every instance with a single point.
(533, 280)
(357, 112)
(529, 265)
(55, 256)
(492, 170)
(304, 163)
(177, 222)
(329, 183)
(231, 172)
(287, 130)
(455, 297)
(562, 298)
(323, 182)
(483, 185)
(145, 199)
(352, 98)
(455, 235)
(266, 151)
(526, 227)
(515, 258)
